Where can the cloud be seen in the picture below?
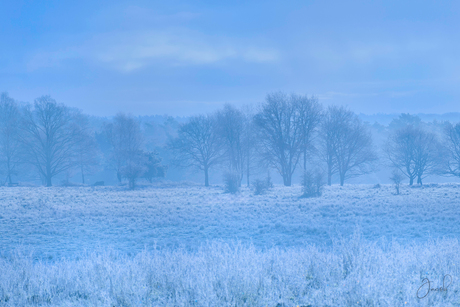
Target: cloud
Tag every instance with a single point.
(129, 51)
(334, 95)
(383, 93)
(335, 55)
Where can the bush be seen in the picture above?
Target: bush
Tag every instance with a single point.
(231, 182)
(312, 183)
(397, 177)
(261, 186)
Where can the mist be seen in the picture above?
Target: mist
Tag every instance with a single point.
(195, 153)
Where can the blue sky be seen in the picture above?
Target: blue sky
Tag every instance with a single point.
(187, 57)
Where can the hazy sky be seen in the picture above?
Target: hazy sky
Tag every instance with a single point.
(184, 57)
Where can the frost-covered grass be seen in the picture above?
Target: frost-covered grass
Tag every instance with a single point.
(353, 273)
(57, 222)
(174, 246)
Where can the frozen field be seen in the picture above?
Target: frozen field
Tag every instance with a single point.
(178, 246)
(56, 222)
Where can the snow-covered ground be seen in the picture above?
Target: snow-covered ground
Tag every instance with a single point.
(58, 221)
(195, 246)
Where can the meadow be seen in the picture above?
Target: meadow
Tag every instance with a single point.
(187, 245)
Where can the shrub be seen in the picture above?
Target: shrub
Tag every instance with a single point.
(312, 183)
(396, 178)
(268, 181)
(261, 186)
(231, 182)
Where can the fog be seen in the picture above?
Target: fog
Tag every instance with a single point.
(203, 153)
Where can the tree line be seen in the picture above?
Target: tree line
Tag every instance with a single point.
(288, 131)
(48, 139)
(284, 133)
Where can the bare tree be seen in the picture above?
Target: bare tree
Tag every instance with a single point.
(249, 142)
(86, 150)
(310, 115)
(281, 134)
(50, 134)
(135, 167)
(427, 155)
(87, 156)
(127, 156)
(230, 129)
(197, 145)
(414, 152)
(327, 144)
(10, 146)
(451, 161)
(347, 144)
(114, 156)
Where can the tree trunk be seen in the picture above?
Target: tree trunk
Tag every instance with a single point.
(287, 180)
(247, 174)
(48, 181)
(48, 173)
(305, 160)
(411, 181)
(342, 179)
(206, 177)
(9, 171)
(247, 164)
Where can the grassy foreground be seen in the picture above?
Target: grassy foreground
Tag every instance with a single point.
(354, 273)
(62, 222)
(174, 246)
